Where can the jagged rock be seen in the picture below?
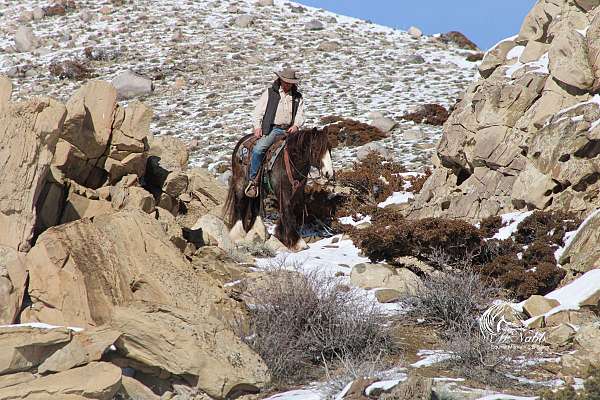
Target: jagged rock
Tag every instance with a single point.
(26, 347)
(569, 60)
(182, 345)
(29, 132)
(582, 254)
(25, 40)
(495, 57)
(85, 347)
(129, 84)
(535, 25)
(171, 228)
(12, 285)
(588, 5)
(166, 155)
(99, 380)
(90, 114)
(387, 295)
(80, 271)
(77, 207)
(370, 276)
(580, 317)
(533, 51)
(538, 305)
(593, 45)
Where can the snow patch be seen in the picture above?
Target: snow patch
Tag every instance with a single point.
(431, 357)
(396, 198)
(511, 223)
(41, 325)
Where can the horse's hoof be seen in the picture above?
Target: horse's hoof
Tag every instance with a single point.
(237, 233)
(299, 246)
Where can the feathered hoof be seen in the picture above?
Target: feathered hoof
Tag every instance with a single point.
(299, 246)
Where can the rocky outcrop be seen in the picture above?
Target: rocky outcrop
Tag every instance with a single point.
(79, 272)
(524, 136)
(29, 132)
(205, 352)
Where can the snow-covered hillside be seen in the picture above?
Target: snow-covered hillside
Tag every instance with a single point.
(208, 68)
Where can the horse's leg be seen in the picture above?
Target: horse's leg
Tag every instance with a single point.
(287, 227)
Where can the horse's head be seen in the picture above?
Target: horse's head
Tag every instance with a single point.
(320, 152)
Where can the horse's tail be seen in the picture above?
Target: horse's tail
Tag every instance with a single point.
(229, 206)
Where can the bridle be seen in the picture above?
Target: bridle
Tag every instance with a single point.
(290, 167)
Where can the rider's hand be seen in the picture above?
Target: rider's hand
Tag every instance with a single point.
(257, 132)
(292, 129)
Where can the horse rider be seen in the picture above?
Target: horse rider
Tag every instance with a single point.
(279, 111)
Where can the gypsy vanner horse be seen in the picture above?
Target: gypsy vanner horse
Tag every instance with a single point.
(287, 177)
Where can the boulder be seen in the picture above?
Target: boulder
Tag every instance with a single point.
(538, 305)
(25, 347)
(206, 351)
(384, 124)
(166, 155)
(244, 21)
(569, 61)
(15, 379)
(535, 24)
(370, 276)
(559, 336)
(373, 147)
(80, 271)
(415, 32)
(25, 40)
(129, 85)
(495, 57)
(574, 317)
(214, 232)
(99, 380)
(85, 347)
(29, 132)
(314, 25)
(387, 295)
(328, 46)
(593, 45)
(588, 5)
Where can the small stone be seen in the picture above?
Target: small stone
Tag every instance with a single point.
(244, 21)
(387, 295)
(315, 25)
(413, 134)
(38, 13)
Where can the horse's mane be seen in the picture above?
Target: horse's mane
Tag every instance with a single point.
(315, 138)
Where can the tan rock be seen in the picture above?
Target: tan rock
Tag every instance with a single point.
(99, 380)
(78, 272)
(28, 132)
(582, 254)
(15, 379)
(533, 51)
(533, 187)
(78, 207)
(588, 5)
(166, 154)
(592, 38)
(214, 232)
(495, 57)
(90, 116)
(85, 347)
(182, 346)
(12, 285)
(387, 295)
(370, 276)
(5, 91)
(538, 305)
(575, 317)
(559, 336)
(569, 60)
(175, 184)
(134, 389)
(26, 347)
(536, 23)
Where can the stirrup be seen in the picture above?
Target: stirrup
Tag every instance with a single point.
(251, 189)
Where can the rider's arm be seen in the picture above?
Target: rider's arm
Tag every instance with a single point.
(259, 110)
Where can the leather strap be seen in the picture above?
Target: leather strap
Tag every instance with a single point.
(296, 184)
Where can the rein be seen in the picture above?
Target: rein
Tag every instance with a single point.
(289, 165)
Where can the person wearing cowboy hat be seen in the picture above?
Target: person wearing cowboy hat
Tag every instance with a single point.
(279, 111)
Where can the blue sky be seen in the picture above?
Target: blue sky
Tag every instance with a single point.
(484, 22)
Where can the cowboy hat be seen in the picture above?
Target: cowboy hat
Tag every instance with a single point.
(288, 75)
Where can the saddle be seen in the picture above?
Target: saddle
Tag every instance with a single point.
(244, 155)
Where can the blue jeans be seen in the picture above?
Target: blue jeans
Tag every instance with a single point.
(260, 148)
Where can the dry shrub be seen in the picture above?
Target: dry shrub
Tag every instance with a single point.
(417, 182)
(432, 114)
(453, 300)
(391, 236)
(69, 69)
(351, 133)
(447, 243)
(490, 226)
(321, 203)
(301, 320)
(372, 180)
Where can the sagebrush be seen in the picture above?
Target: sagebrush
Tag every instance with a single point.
(301, 321)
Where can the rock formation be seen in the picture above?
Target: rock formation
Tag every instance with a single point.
(99, 232)
(525, 135)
